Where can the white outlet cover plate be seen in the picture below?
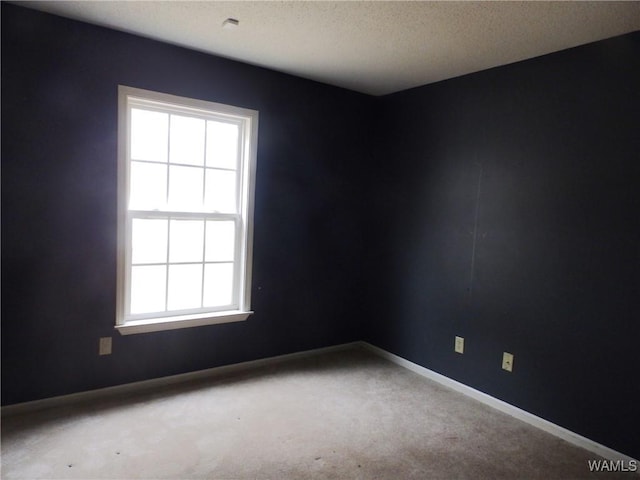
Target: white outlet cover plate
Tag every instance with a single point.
(105, 346)
(507, 361)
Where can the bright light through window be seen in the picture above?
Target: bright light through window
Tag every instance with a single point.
(186, 193)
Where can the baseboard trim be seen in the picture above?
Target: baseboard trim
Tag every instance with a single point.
(146, 385)
(538, 422)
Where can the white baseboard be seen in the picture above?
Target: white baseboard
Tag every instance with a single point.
(145, 385)
(541, 423)
(552, 428)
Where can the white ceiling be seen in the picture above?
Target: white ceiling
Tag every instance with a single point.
(368, 46)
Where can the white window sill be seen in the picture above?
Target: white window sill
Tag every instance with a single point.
(182, 321)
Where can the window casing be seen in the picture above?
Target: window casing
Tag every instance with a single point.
(186, 174)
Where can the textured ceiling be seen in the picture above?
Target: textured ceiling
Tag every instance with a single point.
(372, 47)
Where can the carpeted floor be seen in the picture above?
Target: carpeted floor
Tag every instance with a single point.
(339, 415)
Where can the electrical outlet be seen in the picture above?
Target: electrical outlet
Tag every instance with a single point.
(105, 346)
(459, 345)
(507, 361)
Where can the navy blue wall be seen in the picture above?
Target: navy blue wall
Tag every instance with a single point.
(501, 206)
(59, 123)
(511, 200)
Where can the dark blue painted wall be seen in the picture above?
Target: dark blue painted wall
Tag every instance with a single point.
(501, 206)
(59, 125)
(511, 200)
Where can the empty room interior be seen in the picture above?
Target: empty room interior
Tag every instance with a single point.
(260, 240)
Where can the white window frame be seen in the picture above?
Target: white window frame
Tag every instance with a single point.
(129, 97)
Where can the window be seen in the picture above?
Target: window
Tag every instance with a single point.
(185, 204)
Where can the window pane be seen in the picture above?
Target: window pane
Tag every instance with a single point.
(185, 287)
(185, 188)
(149, 240)
(148, 186)
(218, 284)
(221, 191)
(187, 140)
(149, 133)
(222, 145)
(187, 237)
(148, 289)
(221, 238)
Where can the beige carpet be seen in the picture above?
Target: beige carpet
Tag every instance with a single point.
(339, 415)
